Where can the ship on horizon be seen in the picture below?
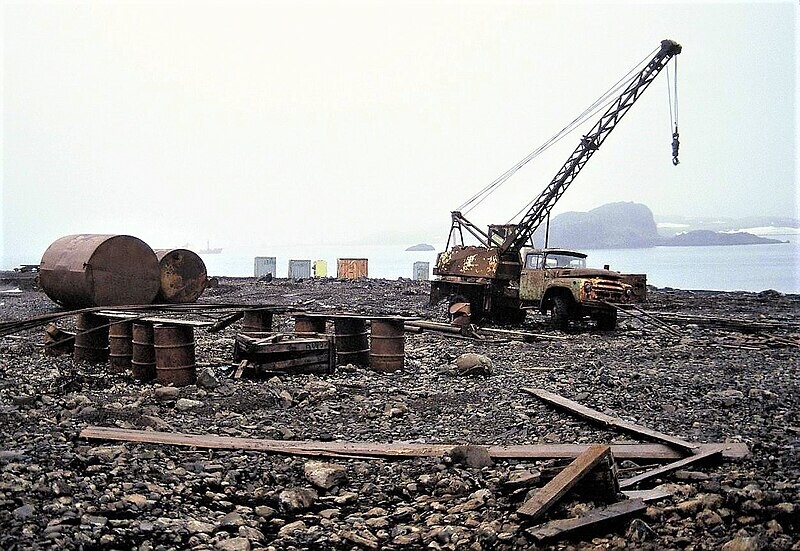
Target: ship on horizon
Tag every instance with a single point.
(209, 250)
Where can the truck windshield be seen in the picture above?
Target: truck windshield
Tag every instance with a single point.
(537, 261)
(564, 261)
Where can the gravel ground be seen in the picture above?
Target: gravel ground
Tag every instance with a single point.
(60, 491)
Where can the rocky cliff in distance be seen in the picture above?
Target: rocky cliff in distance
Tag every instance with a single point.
(628, 225)
(623, 225)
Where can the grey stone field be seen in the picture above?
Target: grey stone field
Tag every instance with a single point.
(706, 384)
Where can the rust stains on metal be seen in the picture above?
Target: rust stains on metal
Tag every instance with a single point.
(183, 275)
(468, 261)
(352, 268)
(175, 361)
(99, 270)
(352, 341)
(143, 360)
(309, 324)
(91, 339)
(257, 321)
(387, 345)
(120, 346)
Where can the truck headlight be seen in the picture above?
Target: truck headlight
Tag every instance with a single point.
(628, 293)
(587, 287)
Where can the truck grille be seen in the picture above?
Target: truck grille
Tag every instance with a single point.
(608, 290)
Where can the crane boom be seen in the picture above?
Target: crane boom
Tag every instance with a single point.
(543, 204)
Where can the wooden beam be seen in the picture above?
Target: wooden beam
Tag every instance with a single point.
(603, 419)
(152, 319)
(550, 493)
(592, 518)
(647, 496)
(650, 452)
(709, 453)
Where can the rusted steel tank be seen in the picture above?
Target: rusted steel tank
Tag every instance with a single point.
(387, 345)
(91, 339)
(143, 360)
(120, 346)
(85, 270)
(183, 275)
(175, 362)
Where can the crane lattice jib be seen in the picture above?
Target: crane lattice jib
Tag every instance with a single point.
(544, 203)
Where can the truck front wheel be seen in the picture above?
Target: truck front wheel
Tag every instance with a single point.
(560, 313)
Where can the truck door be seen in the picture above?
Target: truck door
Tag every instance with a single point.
(531, 280)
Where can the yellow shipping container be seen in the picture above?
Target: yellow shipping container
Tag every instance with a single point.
(320, 268)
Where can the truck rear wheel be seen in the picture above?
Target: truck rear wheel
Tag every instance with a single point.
(560, 313)
(607, 321)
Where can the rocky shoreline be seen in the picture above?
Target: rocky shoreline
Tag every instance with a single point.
(61, 491)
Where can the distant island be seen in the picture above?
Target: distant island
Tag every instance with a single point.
(421, 247)
(629, 225)
(708, 237)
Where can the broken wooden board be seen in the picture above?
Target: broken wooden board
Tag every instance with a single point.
(648, 496)
(602, 418)
(709, 453)
(287, 353)
(591, 519)
(395, 449)
(550, 493)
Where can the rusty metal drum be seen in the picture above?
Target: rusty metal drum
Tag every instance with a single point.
(352, 341)
(175, 362)
(309, 324)
(143, 353)
(85, 270)
(91, 339)
(183, 276)
(257, 322)
(120, 346)
(387, 345)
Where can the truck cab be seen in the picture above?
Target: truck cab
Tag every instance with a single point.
(557, 281)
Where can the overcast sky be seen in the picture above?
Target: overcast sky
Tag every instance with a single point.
(279, 122)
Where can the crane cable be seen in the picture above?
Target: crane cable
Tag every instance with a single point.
(598, 104)
(673, 115)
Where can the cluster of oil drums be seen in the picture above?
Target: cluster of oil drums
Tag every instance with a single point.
(161, 352)
(80, 271)
(382, 349)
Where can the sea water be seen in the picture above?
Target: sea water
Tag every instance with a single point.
(723, 268)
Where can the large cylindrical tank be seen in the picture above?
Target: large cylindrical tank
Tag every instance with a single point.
(79, 271)
(183, 275)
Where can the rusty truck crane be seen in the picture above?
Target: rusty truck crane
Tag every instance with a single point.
(501, 278)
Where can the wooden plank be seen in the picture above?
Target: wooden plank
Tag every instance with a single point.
(591, 519)
(152, 319)
(647, 496)
(709, 453)
(602, 418)
(550, 493)
(396, 449)
(320, 360)
(285, 347)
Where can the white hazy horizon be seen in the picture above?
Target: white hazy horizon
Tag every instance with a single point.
(275, 123)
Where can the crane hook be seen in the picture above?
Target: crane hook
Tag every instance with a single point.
(675, 145)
